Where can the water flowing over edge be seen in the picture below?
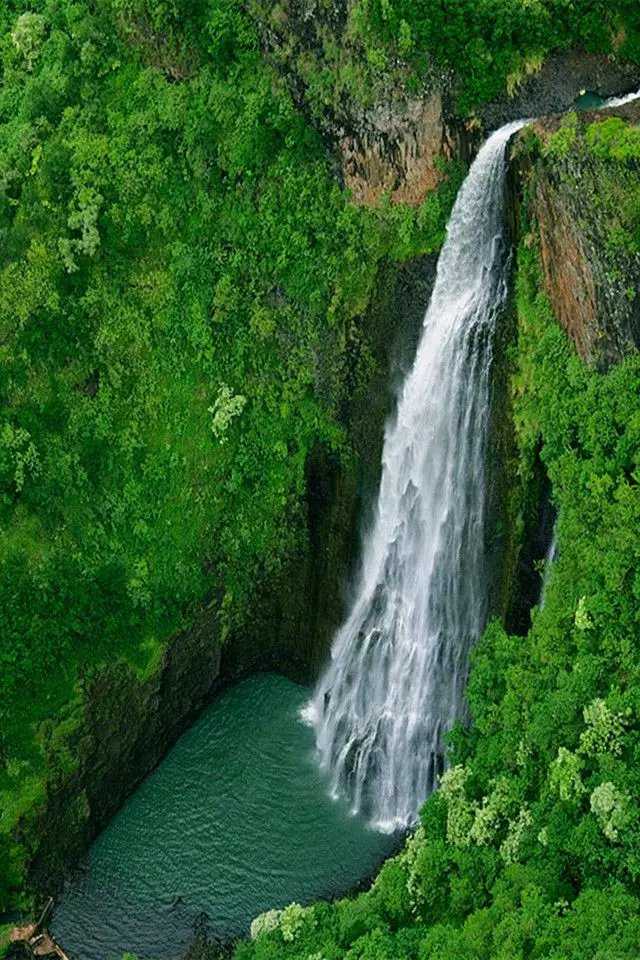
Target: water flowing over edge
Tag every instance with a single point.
(549, 560)
(398, 669)
(395, 684)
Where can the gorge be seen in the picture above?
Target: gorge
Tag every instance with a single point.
(424, 575)
(396, 684)
(219, 234)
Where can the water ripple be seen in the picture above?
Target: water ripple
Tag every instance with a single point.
(235, 820)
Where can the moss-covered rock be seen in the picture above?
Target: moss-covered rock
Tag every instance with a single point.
(298, 611)
(118, 728)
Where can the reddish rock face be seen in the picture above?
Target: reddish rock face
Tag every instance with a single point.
(576, 199)
(22, 934)
(569, 278)
(399, 154)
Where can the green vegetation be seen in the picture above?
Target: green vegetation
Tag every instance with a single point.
(495, 43)
(475, 48)
(183, 286)
(181, 282)
(4, 939)
(531, 848)
(614, 140)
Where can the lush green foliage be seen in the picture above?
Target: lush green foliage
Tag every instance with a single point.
(614, 140)
(531, 848)
(477, 47)
(494, 43)
(182, 287)
(181, 280)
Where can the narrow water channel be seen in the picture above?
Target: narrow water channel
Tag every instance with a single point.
(236, 820)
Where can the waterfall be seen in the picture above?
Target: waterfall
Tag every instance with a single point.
(398, 669)
(549, 560)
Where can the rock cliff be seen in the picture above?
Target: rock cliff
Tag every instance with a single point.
(581, 201)
(388, 136)
(573, 196)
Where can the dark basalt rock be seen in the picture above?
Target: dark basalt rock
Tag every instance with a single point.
(560, 82)
(298, 611)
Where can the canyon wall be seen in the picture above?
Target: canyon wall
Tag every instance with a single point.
(123, 721)
(573, 194)
(580, 198)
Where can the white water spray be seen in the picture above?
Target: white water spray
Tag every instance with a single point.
(621, 101)
(398, 669)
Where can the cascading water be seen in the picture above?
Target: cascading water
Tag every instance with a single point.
(550, 559)
(398, 667)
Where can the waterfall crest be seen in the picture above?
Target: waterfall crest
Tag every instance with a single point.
(396, 680)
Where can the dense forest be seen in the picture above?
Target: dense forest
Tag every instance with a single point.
(184, 282)
(180, 272)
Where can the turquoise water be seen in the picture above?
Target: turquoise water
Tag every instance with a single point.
(589, 101)
(236, 820)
